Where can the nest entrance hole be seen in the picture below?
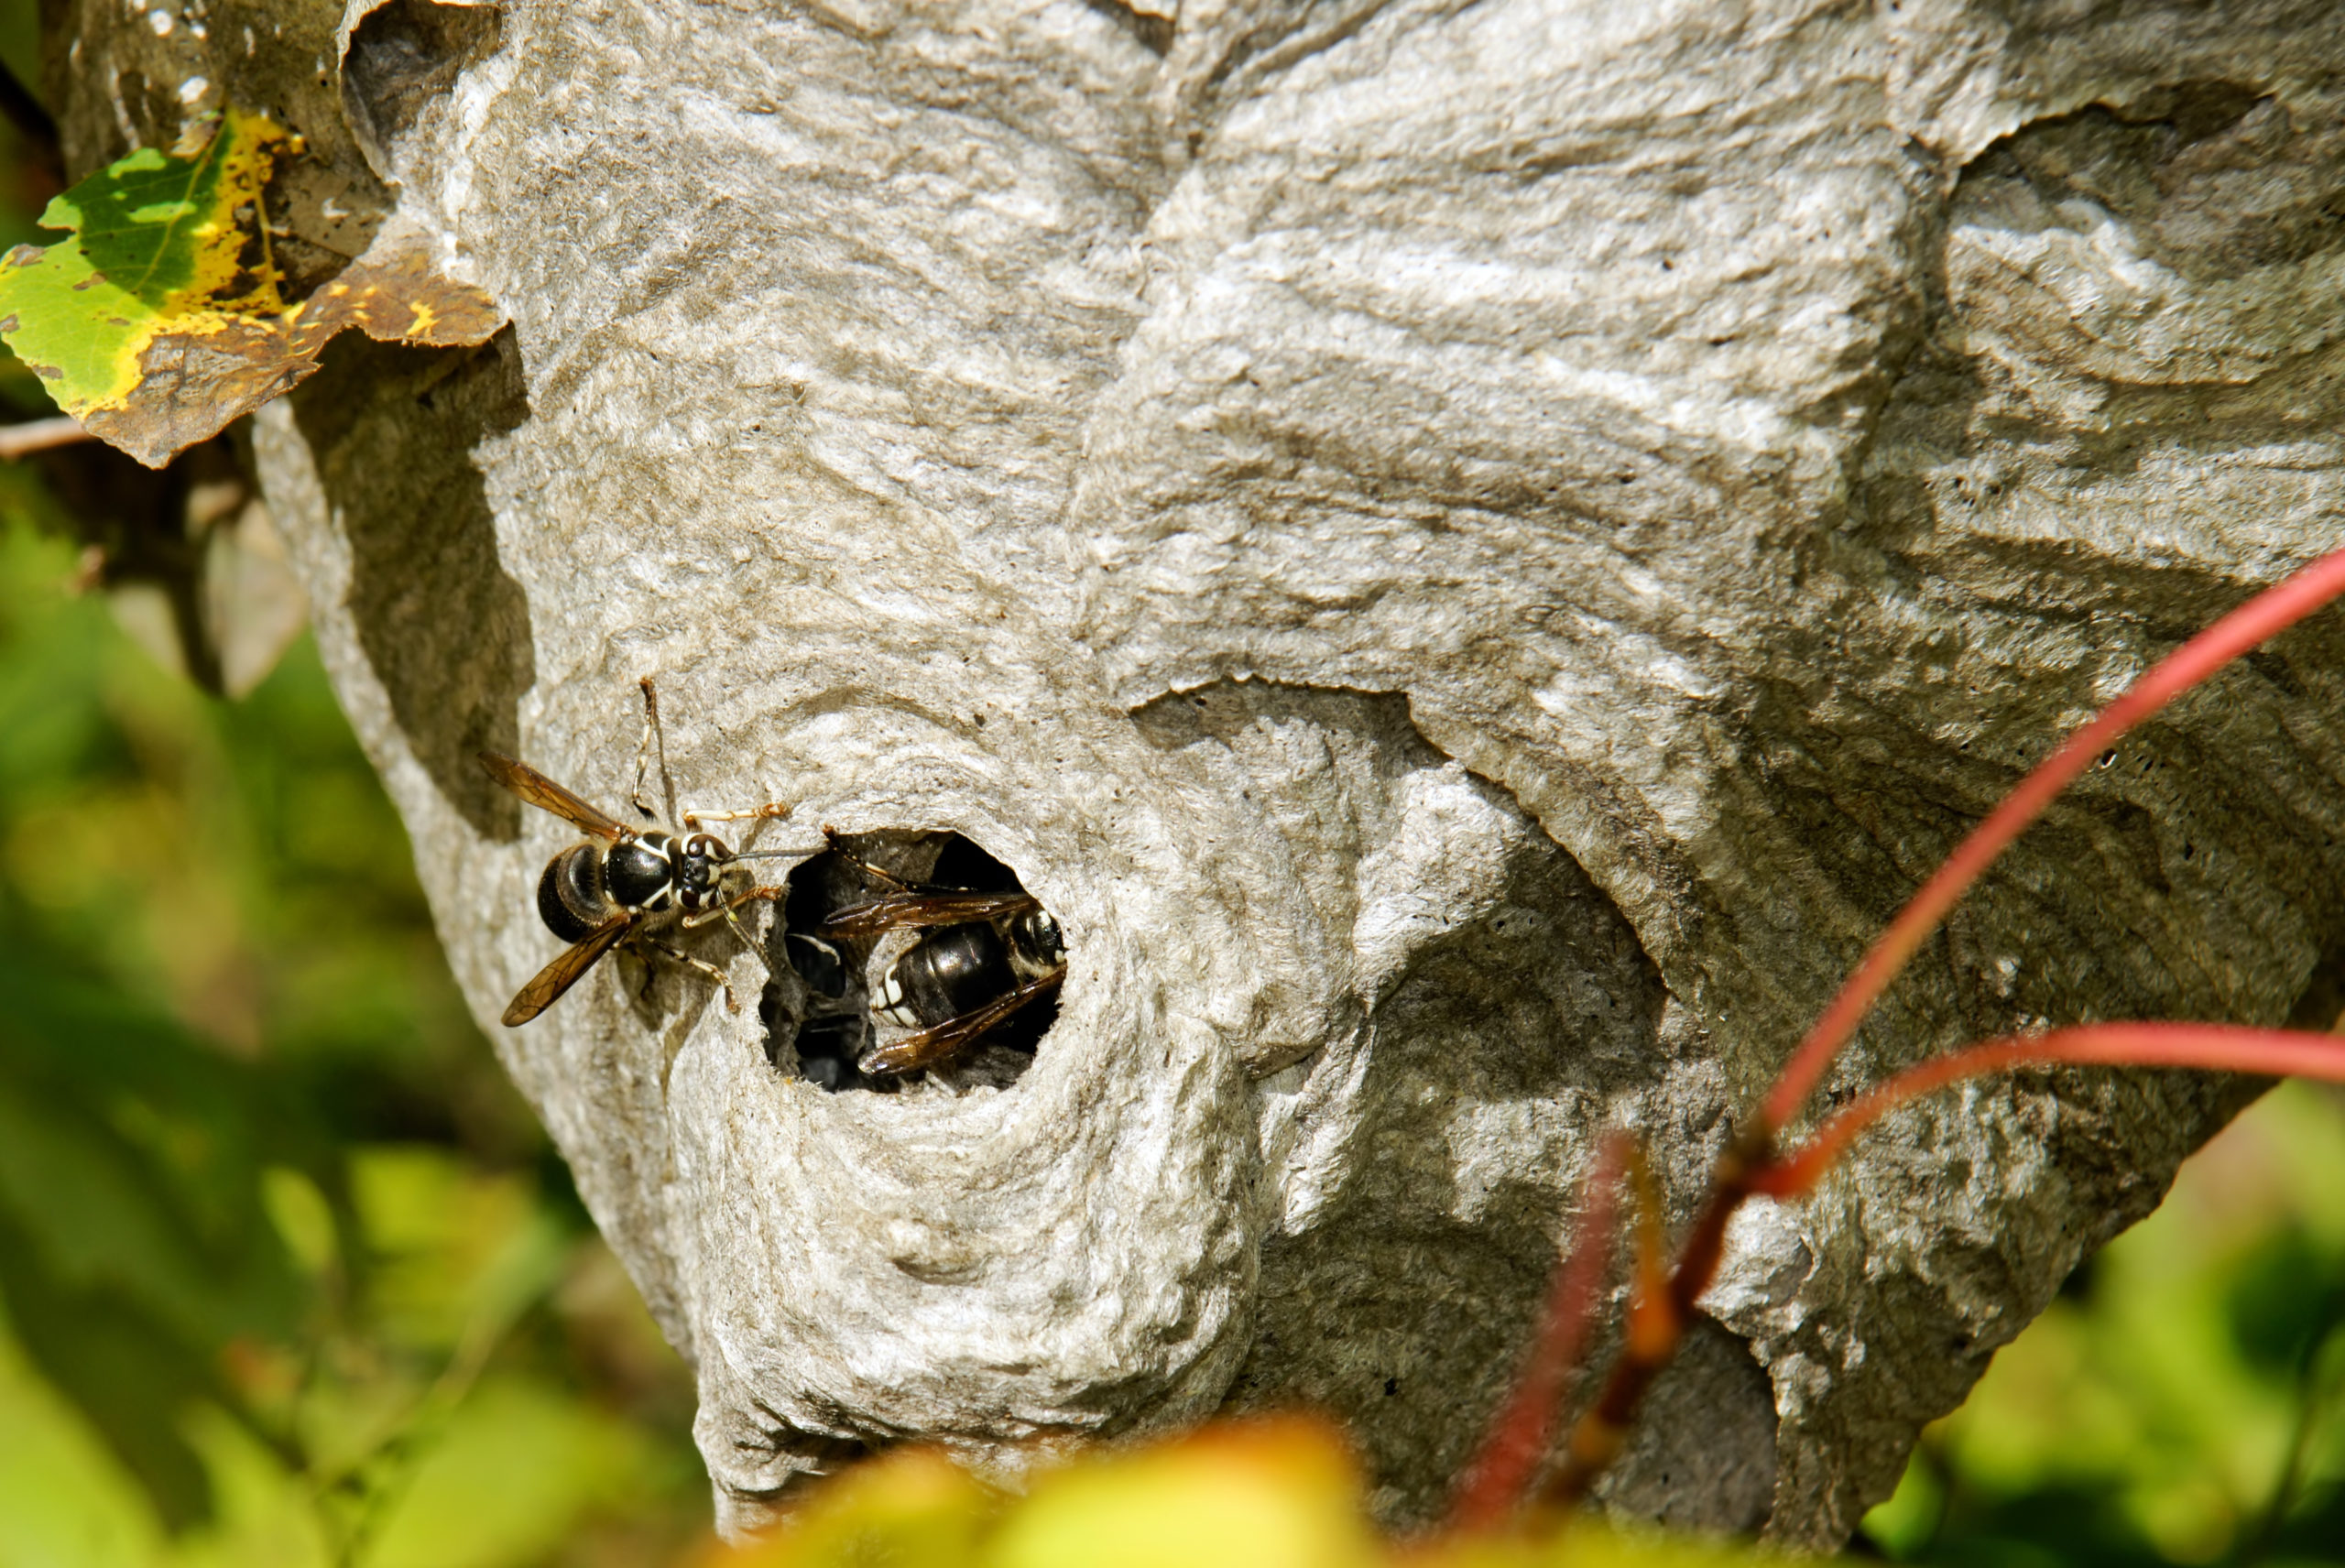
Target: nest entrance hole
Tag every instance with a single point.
(824, 1010)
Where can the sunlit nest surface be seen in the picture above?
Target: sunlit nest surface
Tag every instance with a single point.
(825, 1010)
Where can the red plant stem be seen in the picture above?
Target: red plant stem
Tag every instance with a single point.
(1518, 1439)
(2270, 612)
(1597, 1437)
(1749, 1168)
(1653, 1327)
(2223, 1047)
(1751, 1164)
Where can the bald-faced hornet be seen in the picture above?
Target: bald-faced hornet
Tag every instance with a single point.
(624, 881)
(983, 957)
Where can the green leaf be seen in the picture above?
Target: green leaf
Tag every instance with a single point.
(516, 1468)
(1267, 1491)
(162, 317)
(63, 1496)
(158, 248)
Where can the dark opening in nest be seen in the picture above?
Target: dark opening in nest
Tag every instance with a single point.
(881, 978)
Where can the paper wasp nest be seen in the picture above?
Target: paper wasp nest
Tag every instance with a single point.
(1468, 554)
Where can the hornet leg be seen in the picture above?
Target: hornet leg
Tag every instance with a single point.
(732, 1003)
(834, 837)
(655, 740)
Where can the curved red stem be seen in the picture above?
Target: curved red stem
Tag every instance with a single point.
(2269, 613)
(1494, 1482)
(1503, 1469)
(2225, 1048)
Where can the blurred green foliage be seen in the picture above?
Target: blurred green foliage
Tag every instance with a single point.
(2183, 1401)
(289, 1274)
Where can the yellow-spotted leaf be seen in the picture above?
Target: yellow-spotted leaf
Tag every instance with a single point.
(161, 318)
(154, 238)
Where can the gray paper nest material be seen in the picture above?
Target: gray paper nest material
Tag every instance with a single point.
(1470, 554)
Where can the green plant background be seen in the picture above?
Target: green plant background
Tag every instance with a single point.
(289, 1276)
